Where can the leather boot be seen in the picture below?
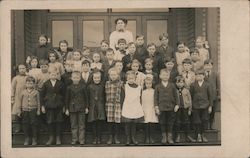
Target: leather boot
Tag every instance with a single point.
(26, 134)
(94, 140)
(58, 140)
(170, 138)
(147, 141)
(117, 133)
(199, 139)
(51, 140)
(178, 138)
(133, 133)
(34, 140)
(127, 133)
(164, 138)
(58, 133)
(116, 139)
(204, 139)
(190, 139)
(110, 140)
(51, 134)
(26, 141)
(34, 135)
(151, 134)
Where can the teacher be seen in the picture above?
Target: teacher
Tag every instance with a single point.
(119, 33)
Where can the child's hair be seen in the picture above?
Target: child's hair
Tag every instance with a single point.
(104, 41)
(77, 50)
(181, 42)
(135, 61)
(110, 50)
(96, 71)
(43, 62)
(30, 79)
(130, 72)
(52, 52)
(85, 62)
(164, 71)
(149, 77)
(122, 40)
(138, 36)
(63, 41)
(151, 44)
(200, 72)
(45, 36)
(76, 73)
(209, 61)
(187, 61)
(112, 69)
(122, 19)
(149, 60)
(196, 50)
(130, 44)
(179, 78)
(169, 59)
(36, 58)
(162, 36)
(85, 48)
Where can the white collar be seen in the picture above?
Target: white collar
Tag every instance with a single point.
(165, 84)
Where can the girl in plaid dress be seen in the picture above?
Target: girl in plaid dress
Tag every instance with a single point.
(114, 99)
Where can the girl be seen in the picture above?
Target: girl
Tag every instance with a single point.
(139, 75)
(77, 62)
(96, 62)
(96, 106)
(17, 86)
(34, 70)
(86, 54)
(148, 108)
(132, 111)
(119, 66)
(199, 44)
(114, 100)
(53, 63)
(41, 51)
(104, 48)
(63, 51)
(197, 64)
(157, 60)
(180, 55)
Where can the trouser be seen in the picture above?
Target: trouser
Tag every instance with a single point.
(167, 119)
(200, 120)
(30, 122)
(77, 120)
(113, 128)
(97, 128)
(148, 129)
(211, 116)
(130, 129)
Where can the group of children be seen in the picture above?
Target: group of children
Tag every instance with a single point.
(130, 85)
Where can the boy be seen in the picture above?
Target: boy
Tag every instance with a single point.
(30, 108)
(171, 68)
(202, 104)
(121, 52)
(148, 70)
(119, 67)
(108, 62)
(66, 77)
(76, 107)
(212, 77)
(187, 73)
(141, 50)
(52, 101)
(164, 50)
(86, 74)
(166, 105)
(197, 64)
(127, 60)
(43, 76)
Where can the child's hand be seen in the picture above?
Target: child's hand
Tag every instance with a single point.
(189, 112)
(67, 112)
(43, 109)
(157, 111)
(38, 112)
(12, 100)
(176, 108)
(86, 111)
(209, 109)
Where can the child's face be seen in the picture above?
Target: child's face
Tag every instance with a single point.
(75, 78)
(86, 53)
(85, 67)
(113, 75)
(208, 67)
(151, 50)
(148, 66)
(104, 46)
(97, 78)
(195, 56)
(164, 76)
(122, 46)
(187, 49)
(42, 41)
(131, 78)
(135, 67)
(199, 77)
(181, 48)
(140, 41)
(68, 67)
(29, 84)
(77, 56)
(44, 68)
(34, 63)
(21, 69)
(187, 66)
(164, 41)
(180, 84)
(199, 43)
(52, 57)
(53, 75)
(63, 47)
(169, 65)
(96, 58)
(148, 84)
(110, 55)
(119, 66)
(132, 49)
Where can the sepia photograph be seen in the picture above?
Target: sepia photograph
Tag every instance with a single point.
(124, 79)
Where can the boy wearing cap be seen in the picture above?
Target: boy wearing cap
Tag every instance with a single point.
(202, 104)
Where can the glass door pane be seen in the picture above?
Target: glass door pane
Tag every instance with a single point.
(154, 29)
(93, 32)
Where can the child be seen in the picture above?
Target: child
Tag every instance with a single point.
(86, 54)
(148, 70)
(104, 48)
(114, 100)
(164, 50)
(17, 86)
(96, 106)
(121, 52)
(202, 104)
(170, 67)
(86, 74)
(43, 76)
(180, 55)
(187, 73)
(139, 79)
(76, 107)
(30, 108)
(166, 105)
(34, 70)
(41, 51)
(212, 77)
(52, 103)
(199, 44)
(63, 51)
(184, 111)
(132, 111)
(157, 60)
(53, 63)
(148, 108)
(66, 77)
(108, 62)
(127, 59)
(119, 67)
(96, 62)
(141, 50)
(197, 64)
(77, 62)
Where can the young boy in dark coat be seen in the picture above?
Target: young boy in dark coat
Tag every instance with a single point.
(86, 73)
(52, 103)
(202, 104)
(141, 50)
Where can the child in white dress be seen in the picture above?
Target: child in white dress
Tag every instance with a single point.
(148, 108)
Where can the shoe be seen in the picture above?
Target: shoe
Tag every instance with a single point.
(204, 139)
(98, 140)
(164, 138)
(110, 140)
(94, 141)
(58, 140)
(199, 139)
(178, 138)
(50, 141)
(134, 140)
(190, 139)
(151, 140)
(147, 141)
(34, 141)
(82, 142)
(116, 140)
(73, 143)
(26, 141)
(170, 138)
(127, 140)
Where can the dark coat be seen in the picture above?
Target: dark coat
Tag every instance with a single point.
(167, 52)
(76, 98)
(41, 52)
(106, 68)
(214, 82)
(127, 60)
(155, 78)
(141, 54)
(158, 62)
(166, 97)
(52, 97)
(66, 79)
(89, 81)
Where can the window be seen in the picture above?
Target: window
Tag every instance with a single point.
(62, 33)
(93, 33)
(154, 29)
